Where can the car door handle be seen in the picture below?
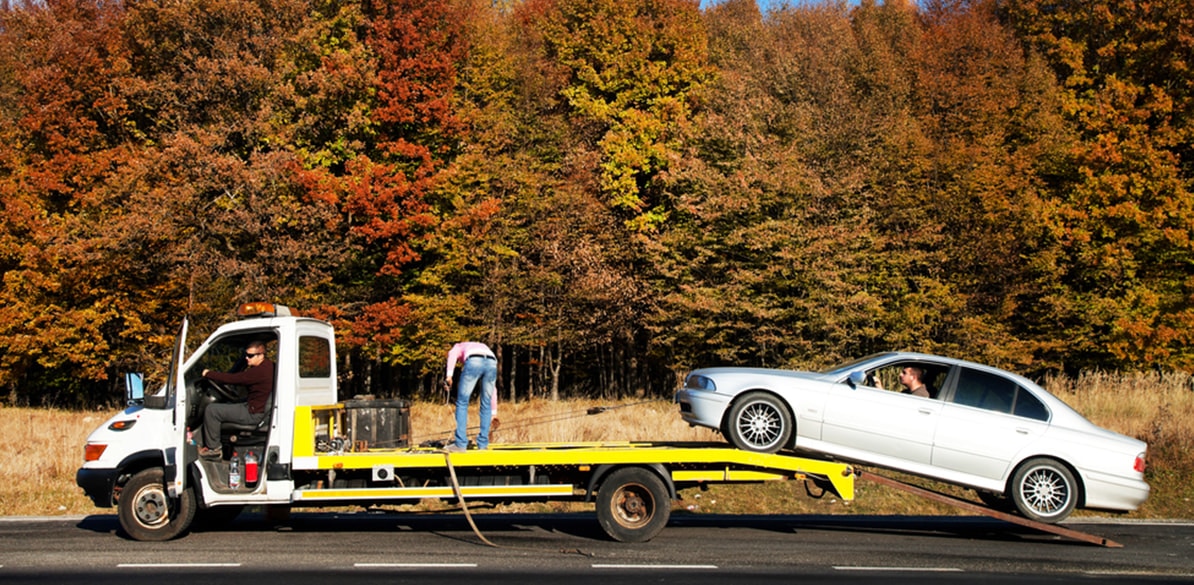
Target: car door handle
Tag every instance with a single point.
(925, 410)
(1022, 431)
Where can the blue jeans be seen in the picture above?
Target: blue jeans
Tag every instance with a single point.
(476, 369)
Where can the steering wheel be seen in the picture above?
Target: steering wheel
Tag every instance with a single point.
(221, 391)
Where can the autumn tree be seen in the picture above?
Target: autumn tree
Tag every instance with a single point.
(631, 66)
(175, 198)
(993, 117)
(785, 250)
(1124, 212)
(66, 310)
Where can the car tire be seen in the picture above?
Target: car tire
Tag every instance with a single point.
(1044, 490)
(633, 505)
(148, 513)
(759, 422)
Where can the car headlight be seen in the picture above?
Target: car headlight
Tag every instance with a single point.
(698, 382)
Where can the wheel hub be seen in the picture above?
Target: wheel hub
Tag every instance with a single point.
(760, 425)
(151, 507)
(1045, 492)
(632, 508)
(633, 505)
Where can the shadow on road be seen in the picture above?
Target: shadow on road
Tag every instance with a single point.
(584, 525)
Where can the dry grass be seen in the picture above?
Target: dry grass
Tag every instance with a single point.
(1155, 408)
(45, 448)
(565, 421)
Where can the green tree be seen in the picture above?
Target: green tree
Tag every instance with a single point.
(631, 67)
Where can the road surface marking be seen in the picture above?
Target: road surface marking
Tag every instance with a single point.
(909, 569)
(173, 565)
(414, 565)
(654, 566)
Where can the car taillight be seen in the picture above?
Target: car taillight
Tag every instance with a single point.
(93, 451)
(1139, 465)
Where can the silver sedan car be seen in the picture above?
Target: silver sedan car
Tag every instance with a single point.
(972, 425)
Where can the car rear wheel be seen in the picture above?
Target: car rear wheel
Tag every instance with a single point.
(759, 422)
(1044, 490)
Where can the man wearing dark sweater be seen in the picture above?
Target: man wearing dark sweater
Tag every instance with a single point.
(259, 378)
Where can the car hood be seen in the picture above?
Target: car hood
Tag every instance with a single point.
(769, 372)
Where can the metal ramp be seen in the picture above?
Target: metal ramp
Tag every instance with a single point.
(972, 507)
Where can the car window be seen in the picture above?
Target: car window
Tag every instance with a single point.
(985, 390)
(887, 377)
(1029, 406)
(991, 392)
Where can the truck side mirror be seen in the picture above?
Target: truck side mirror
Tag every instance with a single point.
(134, 388)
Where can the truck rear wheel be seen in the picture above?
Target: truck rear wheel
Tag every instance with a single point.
(633, 505)
(148, 513)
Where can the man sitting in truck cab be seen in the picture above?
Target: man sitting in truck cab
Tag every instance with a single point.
(259, 378)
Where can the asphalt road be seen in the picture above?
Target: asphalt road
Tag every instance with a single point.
(571, 549)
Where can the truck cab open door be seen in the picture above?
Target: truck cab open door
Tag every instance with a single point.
(174, 452)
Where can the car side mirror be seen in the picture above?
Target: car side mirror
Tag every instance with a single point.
(134, 388)
(856, 379)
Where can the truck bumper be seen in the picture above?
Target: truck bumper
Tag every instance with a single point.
(97, 484)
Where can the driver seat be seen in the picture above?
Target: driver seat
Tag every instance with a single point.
(249, 435)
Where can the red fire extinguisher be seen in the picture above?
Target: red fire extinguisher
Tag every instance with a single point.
(251, 467)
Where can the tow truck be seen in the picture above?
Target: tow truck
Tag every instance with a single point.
(312, 450)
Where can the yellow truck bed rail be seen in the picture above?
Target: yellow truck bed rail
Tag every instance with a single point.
(686, 464)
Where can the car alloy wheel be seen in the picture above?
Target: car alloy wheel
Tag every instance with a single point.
(760, 422)
(1044, 490)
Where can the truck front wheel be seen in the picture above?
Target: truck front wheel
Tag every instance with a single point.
(148, 513)
(633, 505)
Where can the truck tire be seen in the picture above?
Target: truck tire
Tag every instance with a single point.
(1044, 490)
(633, 505)
(148, 513)
(759, 422)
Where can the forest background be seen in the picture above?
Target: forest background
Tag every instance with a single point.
(609, 192)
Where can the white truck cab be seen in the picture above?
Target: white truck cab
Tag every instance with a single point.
(145, 459)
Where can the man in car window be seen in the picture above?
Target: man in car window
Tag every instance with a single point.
(259, 378)
(912, 377)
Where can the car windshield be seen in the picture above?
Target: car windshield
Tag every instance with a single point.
(848, 366)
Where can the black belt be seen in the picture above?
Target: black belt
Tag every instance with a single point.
(488, 357)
